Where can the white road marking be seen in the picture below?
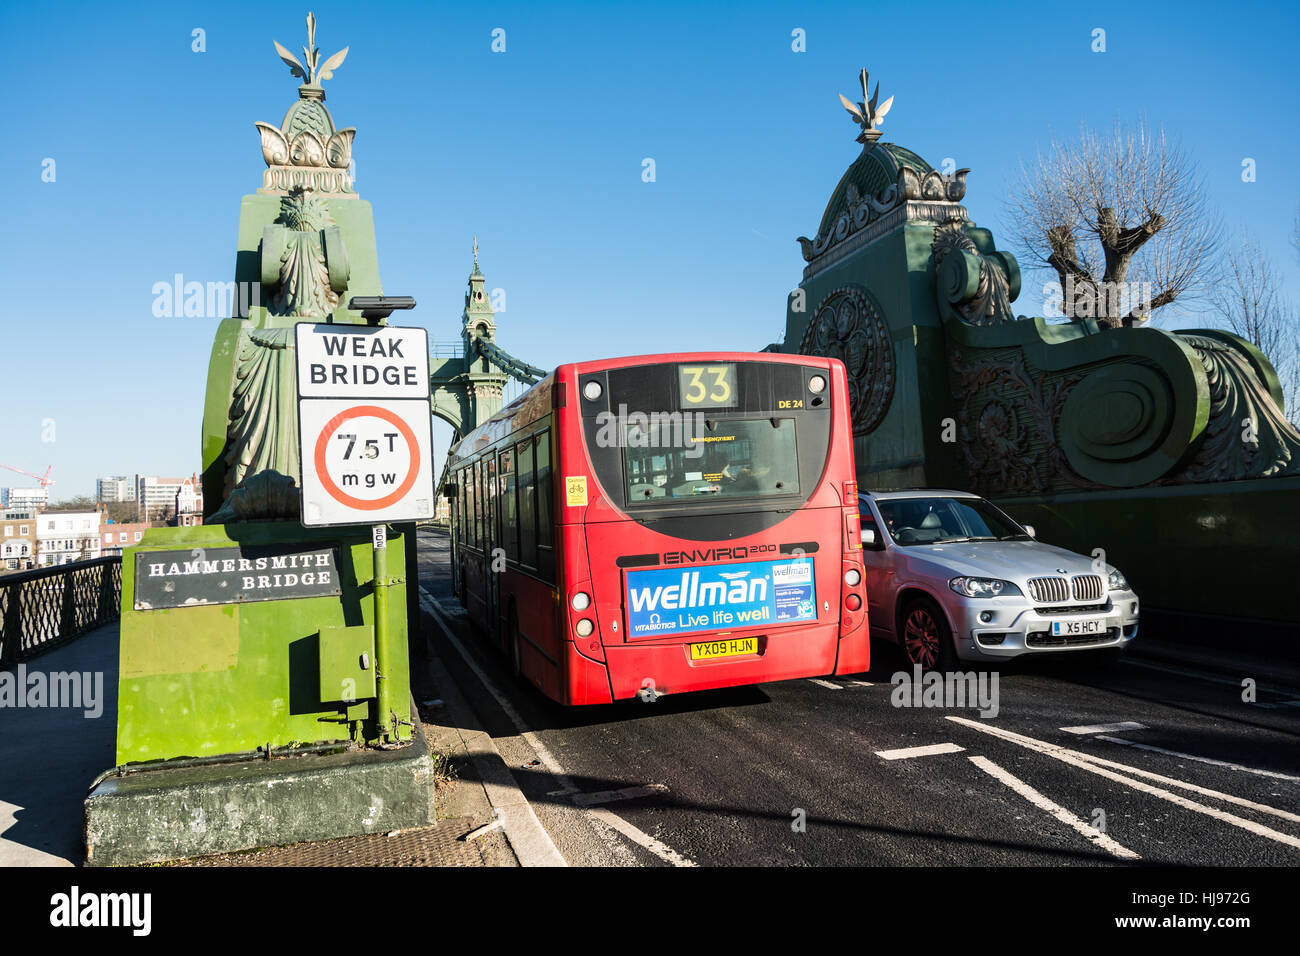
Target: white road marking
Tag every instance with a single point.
(640, 837)
(610, 796)
(1210, 760)
(1098, 766)
(552, 765)
(1090, 833)
(532, 845)
(1212, 678)
(862, 683)
(829, 685)
(906, 753)
(1105, 728)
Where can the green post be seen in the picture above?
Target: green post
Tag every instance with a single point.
(384, 719)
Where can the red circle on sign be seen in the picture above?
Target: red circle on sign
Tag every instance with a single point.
(337, 493)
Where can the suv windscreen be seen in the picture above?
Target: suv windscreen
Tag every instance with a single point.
(935, 520)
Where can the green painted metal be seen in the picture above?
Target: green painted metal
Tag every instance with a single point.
(347, 663)
(232, 678)
(1169, 451)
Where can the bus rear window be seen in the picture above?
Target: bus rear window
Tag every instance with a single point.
(728, 458)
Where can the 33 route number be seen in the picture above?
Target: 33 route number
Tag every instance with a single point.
(707, 385)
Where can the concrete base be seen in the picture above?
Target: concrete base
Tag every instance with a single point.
(178, 812)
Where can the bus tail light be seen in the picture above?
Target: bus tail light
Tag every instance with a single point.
(854, 653)
(584, 627)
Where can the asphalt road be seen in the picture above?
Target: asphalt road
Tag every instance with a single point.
(791, 773)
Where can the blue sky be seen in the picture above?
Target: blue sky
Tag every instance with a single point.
(539, 152)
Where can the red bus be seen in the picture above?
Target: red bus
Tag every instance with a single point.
(665, 523)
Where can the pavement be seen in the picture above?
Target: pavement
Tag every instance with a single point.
(1149, 761)
(52, 755)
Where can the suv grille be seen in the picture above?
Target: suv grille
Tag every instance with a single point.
(1075, 609)
(1049, 590)
(1087, 587)
(1047, 639)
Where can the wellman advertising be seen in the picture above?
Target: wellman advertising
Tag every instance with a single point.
(676, 600)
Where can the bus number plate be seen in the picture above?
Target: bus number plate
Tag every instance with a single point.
(733, 648)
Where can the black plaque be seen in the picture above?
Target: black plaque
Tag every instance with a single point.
(165, 579)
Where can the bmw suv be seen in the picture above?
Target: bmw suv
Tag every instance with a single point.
(951, 577)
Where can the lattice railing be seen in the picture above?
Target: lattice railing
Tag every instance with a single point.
(44, 608)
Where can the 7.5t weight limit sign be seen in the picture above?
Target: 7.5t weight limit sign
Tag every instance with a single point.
(364, 429)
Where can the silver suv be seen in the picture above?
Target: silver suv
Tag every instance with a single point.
(950, 576)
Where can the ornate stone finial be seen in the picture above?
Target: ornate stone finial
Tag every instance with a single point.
(314, 72)
(476, 272)
(306, 151)
(866, 114)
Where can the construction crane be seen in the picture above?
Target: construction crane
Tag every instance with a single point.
(45, 482)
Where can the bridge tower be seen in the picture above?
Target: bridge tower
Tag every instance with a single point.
(465, 385)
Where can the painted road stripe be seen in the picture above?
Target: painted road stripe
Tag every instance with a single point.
(544, 755)
(1089, 833)
(640, 837)
(1105, 728)
(830, 685)
(1098, 766)
(906, 753)
(610, 796)
(1210, 760)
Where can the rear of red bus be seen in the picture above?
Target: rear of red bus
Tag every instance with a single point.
(706, 524)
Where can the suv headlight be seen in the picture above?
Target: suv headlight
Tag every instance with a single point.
(1116, 581)
(982, 587)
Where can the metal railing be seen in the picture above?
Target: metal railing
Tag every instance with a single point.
(47, 607)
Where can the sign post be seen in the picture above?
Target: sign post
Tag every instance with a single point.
(366, 446)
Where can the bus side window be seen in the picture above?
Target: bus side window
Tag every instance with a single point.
(527, 505)
(476, 506)
(545, 546)
(509, 516)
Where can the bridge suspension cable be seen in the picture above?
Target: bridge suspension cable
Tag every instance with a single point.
(515, 368)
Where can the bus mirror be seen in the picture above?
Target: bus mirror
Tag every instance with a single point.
(449, 490)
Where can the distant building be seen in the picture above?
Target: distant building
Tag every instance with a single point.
(17, 539)
(189, 503)
(64, 536)
(24, 498)
(115, 488)
(156, 497)
(116, 538)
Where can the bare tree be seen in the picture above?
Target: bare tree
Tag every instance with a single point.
(1248, 298)
(1122, 220)
(1295, 233)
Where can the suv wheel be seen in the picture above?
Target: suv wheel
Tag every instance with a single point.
(925, 636)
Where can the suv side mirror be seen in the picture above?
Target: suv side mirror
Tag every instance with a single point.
(871, 540)
(1029, 530)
